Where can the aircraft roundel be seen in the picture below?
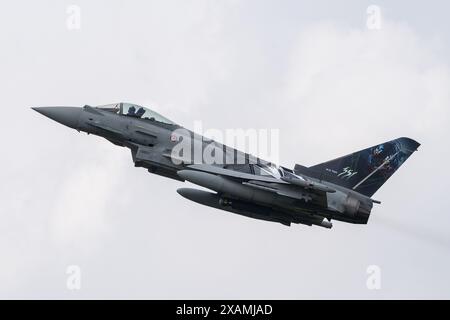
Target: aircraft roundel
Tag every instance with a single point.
(173, 137)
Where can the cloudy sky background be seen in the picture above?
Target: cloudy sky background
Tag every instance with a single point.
(313, 70)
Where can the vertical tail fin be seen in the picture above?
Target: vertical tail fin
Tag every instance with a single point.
(367, 170)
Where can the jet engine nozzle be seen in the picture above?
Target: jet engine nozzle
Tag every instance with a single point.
(356, 209)
(351, 206)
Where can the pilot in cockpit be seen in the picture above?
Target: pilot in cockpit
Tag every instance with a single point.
(131, 111)
(140, 112)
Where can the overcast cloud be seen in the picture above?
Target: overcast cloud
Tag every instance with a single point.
(312, 70)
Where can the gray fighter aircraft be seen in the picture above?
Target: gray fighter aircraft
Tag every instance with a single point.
(339, 189)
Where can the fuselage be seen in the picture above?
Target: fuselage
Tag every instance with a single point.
(166, 149)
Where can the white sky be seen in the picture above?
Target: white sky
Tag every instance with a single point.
(312, 70)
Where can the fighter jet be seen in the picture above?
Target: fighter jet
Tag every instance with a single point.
(339, 189)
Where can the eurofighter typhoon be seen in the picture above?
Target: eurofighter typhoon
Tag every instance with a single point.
(339, 189)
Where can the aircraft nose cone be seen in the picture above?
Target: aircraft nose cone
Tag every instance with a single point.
(67, 116)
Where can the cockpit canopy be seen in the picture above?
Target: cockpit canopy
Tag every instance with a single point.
(267, 170)
(136, 111)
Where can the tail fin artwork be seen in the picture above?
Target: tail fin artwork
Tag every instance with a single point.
(367, 170)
